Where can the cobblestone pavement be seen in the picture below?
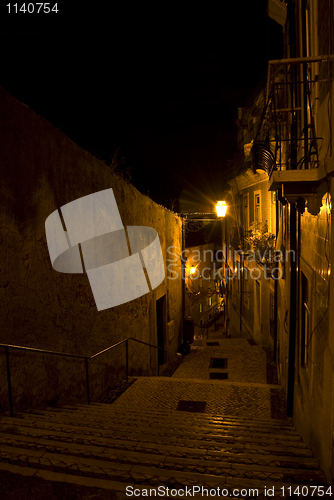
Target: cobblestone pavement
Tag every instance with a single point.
(245, 392)
(221, 398)
(245, 362)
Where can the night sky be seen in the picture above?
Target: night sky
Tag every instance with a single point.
(159, 85)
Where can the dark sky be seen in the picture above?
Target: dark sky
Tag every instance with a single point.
(161, 85)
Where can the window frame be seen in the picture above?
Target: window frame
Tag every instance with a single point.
(259, 206)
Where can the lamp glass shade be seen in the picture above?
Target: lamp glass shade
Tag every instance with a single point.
(221, 208)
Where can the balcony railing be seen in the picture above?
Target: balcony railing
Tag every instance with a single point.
(287, 136)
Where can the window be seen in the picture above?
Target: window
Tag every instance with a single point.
(272, 315)
(201, 307)
(246, 286)
(257, 206)
(250, 126)
(237, 274)
(306, 321)
(245, 218)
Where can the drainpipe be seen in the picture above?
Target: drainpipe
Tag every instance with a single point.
(293, 308)
(275, 318)
(183, 278)
(276, 286)
(241, 277)
(293, 225)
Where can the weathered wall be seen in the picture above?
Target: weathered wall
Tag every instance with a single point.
(313, 390)
(41, 170)
(313, 410)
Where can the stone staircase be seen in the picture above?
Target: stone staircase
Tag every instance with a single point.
(110, 447)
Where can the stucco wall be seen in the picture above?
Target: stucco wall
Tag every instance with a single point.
(41, 170)
(313, 393)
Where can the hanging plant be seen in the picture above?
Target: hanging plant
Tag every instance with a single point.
(260, 241)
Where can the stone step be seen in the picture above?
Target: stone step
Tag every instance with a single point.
(63, 478)
(208, 440)
(257, 488)
(178, 415)
(27, 442)
(162, 472)
(100, 438)
(112, 410)
(113, 447)
(185, 420)
(155, 427)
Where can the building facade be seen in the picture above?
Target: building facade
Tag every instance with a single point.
(289, 175)
(250, 253)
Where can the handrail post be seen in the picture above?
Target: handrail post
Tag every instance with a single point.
(87, 381)
(10, 396)
(127, 360)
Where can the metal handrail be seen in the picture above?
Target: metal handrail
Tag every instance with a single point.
(66, 354)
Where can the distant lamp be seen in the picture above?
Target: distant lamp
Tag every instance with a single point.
(221, 208)
(192, 270)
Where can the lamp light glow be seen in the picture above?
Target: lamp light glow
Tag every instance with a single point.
(221, 208)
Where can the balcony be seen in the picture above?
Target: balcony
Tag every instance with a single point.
(287, 146)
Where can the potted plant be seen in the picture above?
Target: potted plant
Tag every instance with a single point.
(260, 241)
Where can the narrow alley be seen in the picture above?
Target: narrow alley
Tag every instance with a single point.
(167, 302)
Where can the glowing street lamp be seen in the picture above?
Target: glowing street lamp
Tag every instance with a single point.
(221, 208)
(192, 270)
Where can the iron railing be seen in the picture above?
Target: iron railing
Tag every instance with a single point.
(287, 136)
(65, 354)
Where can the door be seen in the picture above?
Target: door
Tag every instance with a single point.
(161, 327)
(257, 312)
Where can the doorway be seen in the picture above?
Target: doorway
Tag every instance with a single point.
(161, 327)
(257, 312)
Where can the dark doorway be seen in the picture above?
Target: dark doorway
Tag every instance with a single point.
(161, 327)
